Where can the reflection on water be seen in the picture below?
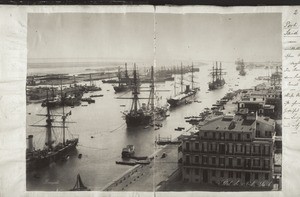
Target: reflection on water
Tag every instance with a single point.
(104, 121)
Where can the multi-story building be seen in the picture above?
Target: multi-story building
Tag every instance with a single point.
(264, 100)
(232, 150)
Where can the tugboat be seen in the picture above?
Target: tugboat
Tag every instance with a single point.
(53, 150)
(217, 78)
(135, 116)
(79, 186)
(242, 69)
(123, 83)
(184, 96)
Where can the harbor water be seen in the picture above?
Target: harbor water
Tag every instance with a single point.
(103, 132)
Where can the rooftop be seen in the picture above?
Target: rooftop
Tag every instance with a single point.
(234, 123)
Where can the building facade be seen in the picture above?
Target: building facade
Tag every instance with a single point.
(230, 150)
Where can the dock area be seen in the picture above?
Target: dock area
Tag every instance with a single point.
(148, 177)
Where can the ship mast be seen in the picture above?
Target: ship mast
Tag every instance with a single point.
(119, 75)
(49, 125)
(151, 95)
(217, 74)
(220, 70)
(134, 91)
(192, 76)
(90, 79)
(181, 79)
(63, 115)
(126, 72)
(213, 74)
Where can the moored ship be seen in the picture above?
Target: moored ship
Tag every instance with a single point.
(242, 69)
(135, 116)
(217, 77)
(53, 149)
(184, 96)
(124, 84)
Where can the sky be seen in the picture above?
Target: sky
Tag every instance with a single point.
(69, 37)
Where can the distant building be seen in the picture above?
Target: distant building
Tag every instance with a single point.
(230, 150)
(263, 100)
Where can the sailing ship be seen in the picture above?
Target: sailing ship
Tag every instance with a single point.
(135, 116)
(238, 63)
(217, 77)
(184, 96)
(92, 87)
(53, 150)
(79, 186)
(123, 83)
(242, 69)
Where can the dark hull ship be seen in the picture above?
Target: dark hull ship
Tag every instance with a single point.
(123, 83)
(135, 116)
(242, 69)
(217, 78)
(92, 87)
(53, 150)
(184, 97)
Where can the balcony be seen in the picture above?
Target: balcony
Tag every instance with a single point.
(229, 168)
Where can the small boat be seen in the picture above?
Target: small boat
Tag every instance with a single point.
(130, 163)
(146, 127)
(128, 151)
(143, 162)
(92, 136)
(79, 186)
(97, 95)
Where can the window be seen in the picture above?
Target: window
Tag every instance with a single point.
(197, 146)
(239, 136)
(222, 161)
(213, 160)
(204, 158)
(230, 174)
(205, 134)
(248, 136)
(187, 170)
(256, 175)
(197, 171)
(267, 150)
(267, 163)
(222, 174)
(256, 162)
(214, 135)
(230, 136)
(230, 162)
(238, 175)
(267, 176)
(238, 161)
(213, 173)
(196, 159)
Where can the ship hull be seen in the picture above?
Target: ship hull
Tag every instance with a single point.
(121, 88)
(43, 161)
(177, 102)
(216, 85)
(138, 120)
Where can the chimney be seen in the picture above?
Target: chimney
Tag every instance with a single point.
(30, 143)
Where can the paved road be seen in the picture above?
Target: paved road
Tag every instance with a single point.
(147, 177)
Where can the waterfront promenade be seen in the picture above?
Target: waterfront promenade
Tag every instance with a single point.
(148, 177)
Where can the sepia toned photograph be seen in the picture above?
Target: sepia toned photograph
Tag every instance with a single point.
(154, 102)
